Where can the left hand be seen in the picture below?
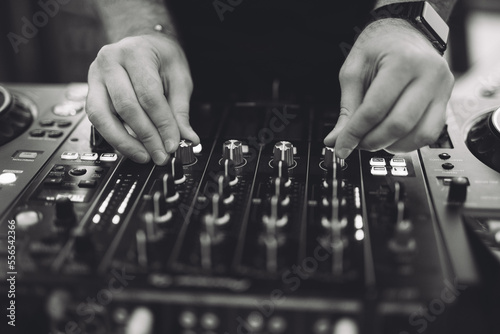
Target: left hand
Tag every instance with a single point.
(395, 89)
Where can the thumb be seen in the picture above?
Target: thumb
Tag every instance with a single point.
(331, 138)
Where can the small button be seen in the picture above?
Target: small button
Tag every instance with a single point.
(398, 162)
(27, 218)
(377, 161)
(444, 156)
(37, 133)
(448, 166)
(399, 171)
(59, 168)
(378, 170)
(64, 123)
(27, 155)
(55, 133)
(89, 156)
(109, 157)
(78, 171)
(7, 178)
(87, 184)
(56, 174)
(68, 108)
(69, 155)
(53, 181)
(99, 170)
(47, 122)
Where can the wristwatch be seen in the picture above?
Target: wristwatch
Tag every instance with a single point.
(422, 16)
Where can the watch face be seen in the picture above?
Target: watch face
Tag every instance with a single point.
(432, 19)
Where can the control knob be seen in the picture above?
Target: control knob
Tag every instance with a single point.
(174, 168)
(185, 152)
(233, 150)
(283, 150)
(458, 190)
(65, 212)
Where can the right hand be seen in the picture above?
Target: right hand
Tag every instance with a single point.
(145, 80)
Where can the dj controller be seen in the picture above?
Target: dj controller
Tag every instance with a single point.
(259, 229)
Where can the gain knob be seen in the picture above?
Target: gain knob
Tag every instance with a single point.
(233, 150)
(65, 213)
(329, 157)
(174, 168)
(185, 152)
(283, 150)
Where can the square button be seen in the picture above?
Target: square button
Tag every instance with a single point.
(109, 157)
(28, 155)
(87, 184)
(54, 181)
(378, 170)
(399, 171)
(377, 161)
(89, 156)
(69, 155)
(398, 162)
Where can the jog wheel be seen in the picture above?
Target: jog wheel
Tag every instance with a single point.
(483, 139)
(15, 116)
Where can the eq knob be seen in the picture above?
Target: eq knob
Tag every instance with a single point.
(283, 150)
(65, 213)
(458, 190)
(233, 150)
(230, 171)
(185, 152)
(174, 168)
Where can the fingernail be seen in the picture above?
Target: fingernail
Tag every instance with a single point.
(343, 153)
(140, 157)
(159, 157)
(170, 146)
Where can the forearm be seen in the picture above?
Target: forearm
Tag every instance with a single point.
(123, 18)
(443, 7)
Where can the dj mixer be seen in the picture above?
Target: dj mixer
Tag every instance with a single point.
(259, 229)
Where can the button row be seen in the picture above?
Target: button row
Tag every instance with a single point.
(382, 171)
(395, 162)
(89, 156)
(51, 122)
(38, 133)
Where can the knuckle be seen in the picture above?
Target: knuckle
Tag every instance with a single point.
(146, 136)
(373, 117)
(347, 73)
(125, 107)
(399, 129)
(106, 56)
(147, 100)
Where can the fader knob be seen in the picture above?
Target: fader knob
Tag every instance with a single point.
(329, 157)
(169, 191)
(230, 171)
(174, 168)
(282, 172)
(283, 150)
(65, 212)
(458, 190)
(84, 247)
(224, 189)
(161, 210)
(97, 141)
(233, 150)
(185, 152)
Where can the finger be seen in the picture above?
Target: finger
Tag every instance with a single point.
(149, 90)
(126, 105)
(401, 119)
(352, 90)
(426, 132)
(381, 96)
(179, 94)
(100, 115)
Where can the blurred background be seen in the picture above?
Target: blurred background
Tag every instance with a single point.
(64, 45)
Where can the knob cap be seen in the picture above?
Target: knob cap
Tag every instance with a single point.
(185, 152)
(65, 212)
(233, 150)
(458, 190)
(283, 150)
(224, 189)
(161, 210)
(174, 168)
(218, 214)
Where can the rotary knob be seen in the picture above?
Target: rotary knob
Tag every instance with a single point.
(283, 150)
(483, 139)
(329, 157)
(15, 116)
(458, 190)
(233, 150)
(185, 152)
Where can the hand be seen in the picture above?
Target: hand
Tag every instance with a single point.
(395, 88)
(145, 80)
